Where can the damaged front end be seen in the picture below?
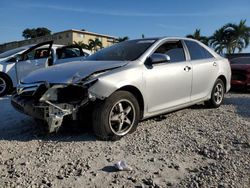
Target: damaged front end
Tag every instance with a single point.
(52, 102)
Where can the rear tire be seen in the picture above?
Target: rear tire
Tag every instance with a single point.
(217, 95)
(116, 116)
(5, 84)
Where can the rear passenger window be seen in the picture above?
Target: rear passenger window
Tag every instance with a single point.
(197, 52)
(68, 52)
(174, 50)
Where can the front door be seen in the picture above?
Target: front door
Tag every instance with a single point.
(168, 84)
(69, 53)
(34, 58)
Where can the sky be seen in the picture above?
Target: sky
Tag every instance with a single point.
(118, 18)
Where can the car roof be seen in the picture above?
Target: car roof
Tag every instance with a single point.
(166, 37)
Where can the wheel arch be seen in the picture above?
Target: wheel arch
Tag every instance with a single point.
(138, 95)
(224, 80)
(8, 77)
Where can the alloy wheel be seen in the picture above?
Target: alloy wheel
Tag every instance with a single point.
(218, 93)
(3, 85)
(122, 117)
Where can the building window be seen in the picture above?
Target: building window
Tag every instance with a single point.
(81, 35)
(67, 35)
(59, 37)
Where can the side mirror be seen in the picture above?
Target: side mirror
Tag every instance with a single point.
(158, 58)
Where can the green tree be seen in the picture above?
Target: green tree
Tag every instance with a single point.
(197, 35)
(35, 32)
(240, 35)
(121, 39)
(218, 40)
(231, 37)
(95, 44)
(82, 45)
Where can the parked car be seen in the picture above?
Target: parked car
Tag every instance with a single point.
(125, 83)
(34, 57)
(240, 73)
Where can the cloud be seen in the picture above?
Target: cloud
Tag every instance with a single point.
(124, 13)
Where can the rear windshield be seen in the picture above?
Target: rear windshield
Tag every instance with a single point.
(123, 51)
(240, 60)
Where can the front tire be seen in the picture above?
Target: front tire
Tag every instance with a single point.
(116, 116)
(5, 84)
(217, 94)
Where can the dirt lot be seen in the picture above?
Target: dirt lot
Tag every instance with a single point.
(194, 147)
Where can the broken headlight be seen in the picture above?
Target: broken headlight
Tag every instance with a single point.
(65, 94)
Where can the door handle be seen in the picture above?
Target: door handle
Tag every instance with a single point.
(187, 68)
(214, 64)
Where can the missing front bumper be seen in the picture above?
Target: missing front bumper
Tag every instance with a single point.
(52, 113)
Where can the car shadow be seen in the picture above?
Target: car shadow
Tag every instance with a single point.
(19, 127)
(240, 101)
(31, 131)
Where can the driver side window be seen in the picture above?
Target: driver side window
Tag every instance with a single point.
(68, 52)
(36, 54)
(174, 50)
(29, 56)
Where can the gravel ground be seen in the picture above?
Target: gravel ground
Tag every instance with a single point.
(194, 147)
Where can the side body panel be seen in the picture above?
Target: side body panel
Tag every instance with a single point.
(27, 66)
(204, 75)
(225, 70)
(167, 85)
(130, 75)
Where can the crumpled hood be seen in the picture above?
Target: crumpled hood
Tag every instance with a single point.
(65, 73)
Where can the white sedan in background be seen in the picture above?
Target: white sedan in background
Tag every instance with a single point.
(17, 63)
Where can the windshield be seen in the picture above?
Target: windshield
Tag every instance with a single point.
(123, 51)
(240, 60)
(11, 52)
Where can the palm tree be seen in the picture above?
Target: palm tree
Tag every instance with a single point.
(197, 35)
(231, 37)
(95, 44)
(219, 40)
(82, 45)
(121, 39)
(241, 35)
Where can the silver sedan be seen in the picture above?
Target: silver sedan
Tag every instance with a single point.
(125, 83)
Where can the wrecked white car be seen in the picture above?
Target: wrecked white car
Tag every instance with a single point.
(125, 83)
(16, 64)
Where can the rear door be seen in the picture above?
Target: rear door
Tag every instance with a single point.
(34, 58)
(205, 70)
(69, 53)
